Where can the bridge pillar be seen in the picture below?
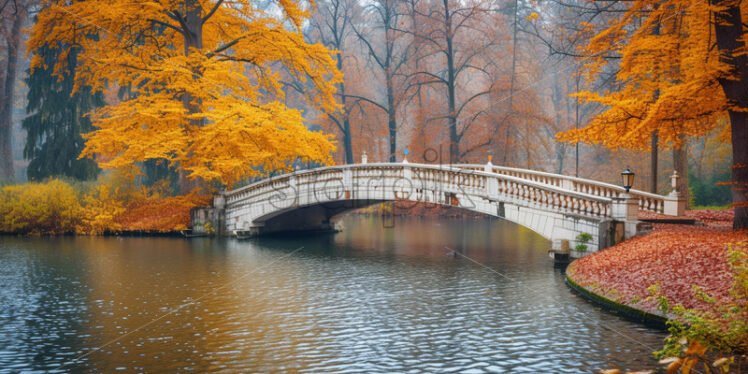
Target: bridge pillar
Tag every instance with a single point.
(626, 209)
(675, 202)
(209, 220)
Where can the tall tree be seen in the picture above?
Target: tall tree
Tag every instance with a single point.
(12, 17)
(57, 120)
(563, 27)
(677, 81)
(730, 32)
(331, 25)
(448, 32)
(205, 80)
(389, 50)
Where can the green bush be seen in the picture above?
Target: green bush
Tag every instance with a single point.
(582, 238)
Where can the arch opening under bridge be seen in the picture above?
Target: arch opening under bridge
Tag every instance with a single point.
(557, 207)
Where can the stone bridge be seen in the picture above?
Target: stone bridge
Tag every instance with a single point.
(555, 206)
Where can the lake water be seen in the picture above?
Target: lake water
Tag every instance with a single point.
(373, 298)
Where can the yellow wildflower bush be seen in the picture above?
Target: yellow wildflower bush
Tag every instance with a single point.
(40, 208)
(113, 203)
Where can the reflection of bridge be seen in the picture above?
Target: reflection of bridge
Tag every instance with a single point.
(555, 206)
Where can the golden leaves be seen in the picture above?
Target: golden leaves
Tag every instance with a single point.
(210, 107)
(668, 77)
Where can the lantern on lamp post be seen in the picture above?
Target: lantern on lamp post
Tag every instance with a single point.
(627, 179)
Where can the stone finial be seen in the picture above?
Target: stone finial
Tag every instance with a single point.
(675, 202)
(364, 158)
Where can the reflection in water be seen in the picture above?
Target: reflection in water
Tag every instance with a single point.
(368, 299)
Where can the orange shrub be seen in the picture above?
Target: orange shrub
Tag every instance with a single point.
(160, 214)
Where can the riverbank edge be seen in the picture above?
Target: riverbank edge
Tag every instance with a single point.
(638, 315)
(172, 234)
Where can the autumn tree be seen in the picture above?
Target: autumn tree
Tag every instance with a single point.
(455, 37)
(730, 33)
(682, 68)
(564, 27)
(558, 32)
(331, 24)
(204, 82)
(389, 50)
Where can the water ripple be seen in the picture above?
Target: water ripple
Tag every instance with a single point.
(366, 300)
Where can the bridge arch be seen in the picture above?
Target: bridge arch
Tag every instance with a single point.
(557, 207)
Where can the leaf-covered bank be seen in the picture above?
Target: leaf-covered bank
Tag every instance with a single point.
(110, 205)
(696, 276)
(675, 256)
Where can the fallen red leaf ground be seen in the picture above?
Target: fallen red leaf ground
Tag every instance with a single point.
(675, 256)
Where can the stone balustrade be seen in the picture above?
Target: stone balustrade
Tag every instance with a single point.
(647, 201)
(557, 207)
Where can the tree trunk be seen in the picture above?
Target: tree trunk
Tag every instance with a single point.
(347, 139)
(728, 27)
(454, 147)
(510, 102)
(391, 120)
(680, 164)
(655, 137)
(7, 171)
(653, 166)
(347, 143)
(739, 122)
(193, 38)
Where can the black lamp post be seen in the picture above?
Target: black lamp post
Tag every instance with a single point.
(627, 179)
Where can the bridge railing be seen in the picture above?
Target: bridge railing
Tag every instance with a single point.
(647, 201)
(430, 183)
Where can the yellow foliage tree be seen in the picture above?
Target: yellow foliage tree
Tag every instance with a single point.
(204, 80)
(680, 63)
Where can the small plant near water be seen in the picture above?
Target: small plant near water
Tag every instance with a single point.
(711, 340)
(716, 336)
(208, 227)
(582, 239)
